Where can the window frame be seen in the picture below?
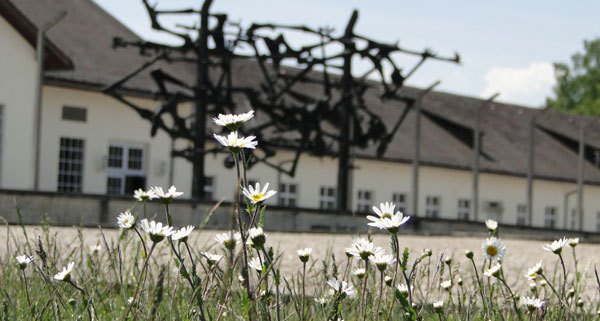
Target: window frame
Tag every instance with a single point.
(61, 185)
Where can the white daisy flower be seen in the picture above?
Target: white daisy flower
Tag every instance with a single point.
(493, 249)
(23, 261)
(233, 121)
(364, 249)
(556, 246)
(144, 196)
(126, 220)
(256, 195)
(494, 270)
(386, 219)
(168, 196)
(65, 274)
(156, 230)
(438, 306)
(255, 264)
(446, 285)
(95, 249)
(341, 287)
(212, 259)
(360, 272)
(532, 304)
(573, 242)
(304, 254)
(229, 240)
(235, 143)
(183, 234)
(382, 261)
(491, 225)
(388, 280)
(403, 289)
(534, 272)
(257, 237)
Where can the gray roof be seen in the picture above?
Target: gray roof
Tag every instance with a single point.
(86, 34)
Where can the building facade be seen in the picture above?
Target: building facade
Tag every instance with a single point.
(89, 143)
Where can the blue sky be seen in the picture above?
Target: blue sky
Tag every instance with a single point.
(506, 46)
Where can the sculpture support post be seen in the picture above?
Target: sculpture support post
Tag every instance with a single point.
(344, 166)
(198, 178)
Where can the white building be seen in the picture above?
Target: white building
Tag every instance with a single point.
(92, 144)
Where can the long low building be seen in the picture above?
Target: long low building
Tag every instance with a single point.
(81, 141)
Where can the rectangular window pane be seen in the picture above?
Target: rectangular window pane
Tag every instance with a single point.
(364, 201)
(115, 156)
(399, 199)
(287, 195)
(113, 186)
(70, 165)
(327, 199)
(464, 209)
(135, 158)
(432, 208)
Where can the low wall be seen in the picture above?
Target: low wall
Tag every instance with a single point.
(102, 210)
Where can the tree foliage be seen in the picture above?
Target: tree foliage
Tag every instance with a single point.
(577, 88)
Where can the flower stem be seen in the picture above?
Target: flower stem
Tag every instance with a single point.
(142, 277)
(512, 295)
(363, 295)
(27, 291)
(380, 295)
(303, 291)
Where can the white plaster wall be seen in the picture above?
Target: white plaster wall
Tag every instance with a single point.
(108, 121)
(17, 95)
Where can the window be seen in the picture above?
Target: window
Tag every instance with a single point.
(432, 206)
(327, 198)
(125, 169)
(521, 214)
(573, 219)
(74, 113)
(464, 209)
(288, 194)
(209, 188)
(550, 216)
(400, 200)
(494, 210)
(70, 165)
(364, 202)
(598, 221)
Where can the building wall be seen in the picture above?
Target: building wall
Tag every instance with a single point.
(17, 98)
(108, 121)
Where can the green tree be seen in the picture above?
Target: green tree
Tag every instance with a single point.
(577, 88)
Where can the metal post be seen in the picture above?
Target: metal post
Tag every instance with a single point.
(417, 151)
(346, 111)
(198, 178)
(580, 164)
(37, 137)
(476, 154)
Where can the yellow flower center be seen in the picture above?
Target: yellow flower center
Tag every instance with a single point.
(491, 250)
(386, 215)
(258, 197)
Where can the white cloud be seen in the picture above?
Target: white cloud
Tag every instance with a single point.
(528, 86)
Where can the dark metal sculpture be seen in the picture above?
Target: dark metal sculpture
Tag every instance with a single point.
(317, 106)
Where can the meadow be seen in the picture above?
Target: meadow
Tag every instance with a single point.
(150, 270)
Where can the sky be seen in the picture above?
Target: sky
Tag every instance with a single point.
(506, 46)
